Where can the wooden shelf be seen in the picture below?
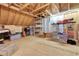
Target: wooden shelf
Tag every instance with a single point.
(38, 26)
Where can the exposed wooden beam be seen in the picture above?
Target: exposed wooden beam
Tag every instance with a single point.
(17, 9)
(29, 8)
(59, 4)
(10, 4)
(38, 5)
(68, 6)
(40, 8)
(56, 7)
(35, 6)
(17, 5)
(39, 13)
(21, 4)
(49, 12)
(50, 8)
(21, 7)
(24, 6)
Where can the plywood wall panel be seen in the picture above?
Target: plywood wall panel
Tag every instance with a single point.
(30, 20)
(21, 19)
(74, 5)
(11, 17)
(18, 20)
(22, 23)
(0, 12)
(17, 16)
(25, 21)
(4, 15)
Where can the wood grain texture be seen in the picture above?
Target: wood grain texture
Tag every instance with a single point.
(11, 17)
(34, 46)
(4, 15)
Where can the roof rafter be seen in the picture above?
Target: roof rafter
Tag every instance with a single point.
(24, 6)
(40, 8)
(17, 5)
(17, 9)
(56, 7)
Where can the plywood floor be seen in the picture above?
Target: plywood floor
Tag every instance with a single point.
(34, 46)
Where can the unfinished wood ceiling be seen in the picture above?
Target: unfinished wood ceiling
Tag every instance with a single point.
(25, 13)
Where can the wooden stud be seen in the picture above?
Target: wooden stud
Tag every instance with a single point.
(68, 6)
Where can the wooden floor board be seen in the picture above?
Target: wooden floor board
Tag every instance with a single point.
(34, 46)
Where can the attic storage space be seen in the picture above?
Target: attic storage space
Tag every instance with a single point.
(39, 29)
(13, 20)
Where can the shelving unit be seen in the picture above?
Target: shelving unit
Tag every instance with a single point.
(71, 31)
(65, 30)
(38, 27)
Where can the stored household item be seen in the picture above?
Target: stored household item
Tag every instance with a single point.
(72, 42)
(1, 41)
(63, 37)
(23, 34)
(15, 37)
(5, 34)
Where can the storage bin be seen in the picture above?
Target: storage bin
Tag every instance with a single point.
(15, 37)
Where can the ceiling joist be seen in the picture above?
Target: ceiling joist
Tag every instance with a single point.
(57, 9)
(42, 7)
(17, 5)
(69, 6)
(24, 6)
(17, 9)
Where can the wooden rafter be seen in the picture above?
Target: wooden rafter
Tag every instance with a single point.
(39, 13)
(35, 6)
(59, 4)
(9, 4)
(56, 7)
(40, 8)
(68, 6)
(24, 6)
(29, 8)
(17, 5)
(20, 6)
(50, 8)
(14, 8)
(64, 7)
(49, 12)
(38, 5)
